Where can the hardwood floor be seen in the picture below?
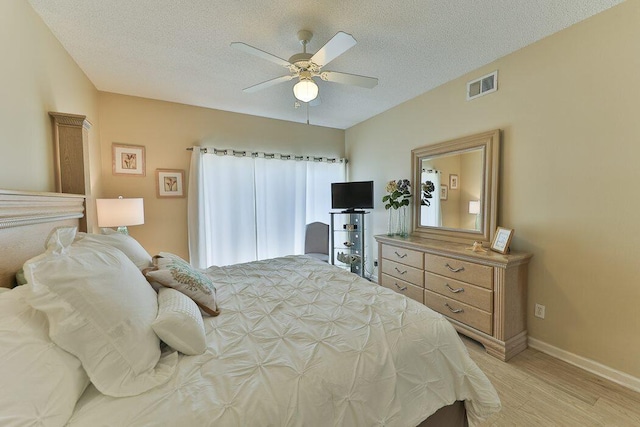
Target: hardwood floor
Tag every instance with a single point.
(539, 390)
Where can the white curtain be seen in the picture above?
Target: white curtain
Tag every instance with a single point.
(280, 207)
(320, 175)
(248, 208)
(222, 192)
(431, 215)
(196, 212)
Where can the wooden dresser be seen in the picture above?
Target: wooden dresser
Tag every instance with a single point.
(484, 295)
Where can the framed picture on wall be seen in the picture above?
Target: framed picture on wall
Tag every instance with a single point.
(128, 159)
(169, 183)
(453, 181)
(444, 192)
(501, 240)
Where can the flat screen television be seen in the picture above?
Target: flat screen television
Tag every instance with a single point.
(352, 196)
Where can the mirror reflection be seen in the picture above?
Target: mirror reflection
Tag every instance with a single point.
(458, 183)
(452, 190)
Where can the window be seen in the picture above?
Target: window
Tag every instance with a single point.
(245, 208)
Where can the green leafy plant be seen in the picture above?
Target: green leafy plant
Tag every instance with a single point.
(399, 194)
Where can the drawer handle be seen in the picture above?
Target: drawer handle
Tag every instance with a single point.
(400, 256)
(454, 270)
(399, 271)
(401, 288)
(454, 310)
(455, 291)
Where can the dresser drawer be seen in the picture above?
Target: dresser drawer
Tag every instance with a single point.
(404, 256)
(404, 272)
(459, 311)
(476, 296)
(402, 287)
(481, 275)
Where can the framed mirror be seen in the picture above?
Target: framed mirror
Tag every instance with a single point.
(456, 188)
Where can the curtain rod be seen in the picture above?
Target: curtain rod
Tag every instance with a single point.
(242, 153)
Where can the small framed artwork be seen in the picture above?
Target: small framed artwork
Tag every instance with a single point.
(128, 159)
(444, 192)
(453, 181)
(169, 183)
(501, 240)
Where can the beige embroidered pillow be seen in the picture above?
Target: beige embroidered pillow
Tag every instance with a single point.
(171, 271)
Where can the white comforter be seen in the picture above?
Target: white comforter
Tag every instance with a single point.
(302, 343)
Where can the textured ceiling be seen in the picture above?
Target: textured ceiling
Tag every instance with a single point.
(178, 50)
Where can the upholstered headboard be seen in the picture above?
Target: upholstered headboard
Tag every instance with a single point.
(26, 221)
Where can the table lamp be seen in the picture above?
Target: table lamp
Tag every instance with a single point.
(120, 213)
(474, 209)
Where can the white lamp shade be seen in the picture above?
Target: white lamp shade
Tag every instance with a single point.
(305, 90)
(120, 212)
(474, 207)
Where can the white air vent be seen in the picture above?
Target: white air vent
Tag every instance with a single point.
(482, 86)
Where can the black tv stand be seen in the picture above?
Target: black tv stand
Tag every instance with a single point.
(352, 211)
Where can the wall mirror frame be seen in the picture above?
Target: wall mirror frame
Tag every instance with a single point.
(487, 144)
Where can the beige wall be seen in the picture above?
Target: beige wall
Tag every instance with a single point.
(37, 76)
(449, 208)
(468, 167)
(469, 188)
(166, 130)
(569, 108)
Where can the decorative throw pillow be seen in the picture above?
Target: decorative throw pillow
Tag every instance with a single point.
(41, 382)
(172, 271)
(100, 309)
(127, 244)
(179, 322)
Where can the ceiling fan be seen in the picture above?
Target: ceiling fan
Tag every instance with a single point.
(305, 66)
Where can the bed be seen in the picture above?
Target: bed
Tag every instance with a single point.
(296, 342)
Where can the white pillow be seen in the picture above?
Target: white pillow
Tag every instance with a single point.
(40, 381)
(100, 309)
(127, 244)
(179, 322)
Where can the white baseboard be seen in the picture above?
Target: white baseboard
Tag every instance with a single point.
(589, 365)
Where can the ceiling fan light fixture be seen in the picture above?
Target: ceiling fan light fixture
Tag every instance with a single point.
(305, 90)
(306, 66)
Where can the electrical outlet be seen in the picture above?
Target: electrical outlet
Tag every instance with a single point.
(539, 311)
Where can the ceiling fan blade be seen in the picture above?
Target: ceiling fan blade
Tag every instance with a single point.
(339, 44)
(349, 79)
(267, 84)
(260, 53)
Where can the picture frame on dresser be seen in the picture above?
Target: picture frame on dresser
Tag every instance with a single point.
(501, 240)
